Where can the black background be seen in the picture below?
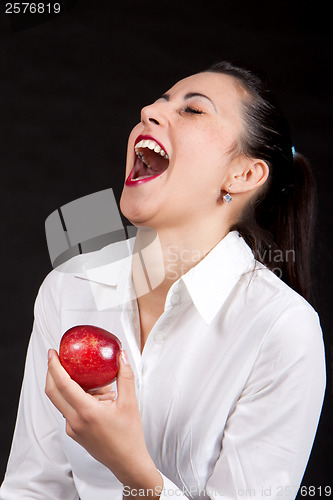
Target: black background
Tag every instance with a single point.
(71, 88)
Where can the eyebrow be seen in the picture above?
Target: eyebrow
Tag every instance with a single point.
(189, 96)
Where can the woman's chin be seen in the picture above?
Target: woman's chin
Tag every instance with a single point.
(133, 211)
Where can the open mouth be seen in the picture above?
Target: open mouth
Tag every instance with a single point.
(151, 160)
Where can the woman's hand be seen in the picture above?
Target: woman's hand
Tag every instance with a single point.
(109, 429)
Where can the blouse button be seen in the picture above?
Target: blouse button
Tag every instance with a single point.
(175, 298)
(159, 336)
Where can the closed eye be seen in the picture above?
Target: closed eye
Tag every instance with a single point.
(190, 109)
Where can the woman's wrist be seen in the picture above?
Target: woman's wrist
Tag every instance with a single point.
(145, 483)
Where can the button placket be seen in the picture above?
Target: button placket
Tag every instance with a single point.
(139, 386)
(159, 336)
(175, 299)
(177, 287)
(151, 354)
(174, 296)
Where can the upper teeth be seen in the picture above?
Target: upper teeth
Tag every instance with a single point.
(151, 144)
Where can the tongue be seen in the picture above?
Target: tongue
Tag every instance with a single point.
(141, 170)
(157, 165)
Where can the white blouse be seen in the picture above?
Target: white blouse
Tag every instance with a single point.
(230, 383)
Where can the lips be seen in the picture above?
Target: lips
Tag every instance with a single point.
(151, 160)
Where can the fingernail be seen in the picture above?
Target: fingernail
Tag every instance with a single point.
(49, 354)
(124, 357)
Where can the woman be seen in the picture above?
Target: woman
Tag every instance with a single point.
(222, 371)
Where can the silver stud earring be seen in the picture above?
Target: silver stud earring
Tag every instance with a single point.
(227, 198)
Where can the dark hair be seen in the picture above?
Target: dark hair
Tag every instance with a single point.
(280, 222)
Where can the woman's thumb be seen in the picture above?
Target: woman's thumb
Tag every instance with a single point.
(125, 378)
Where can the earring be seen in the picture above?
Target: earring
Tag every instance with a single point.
(227, 198)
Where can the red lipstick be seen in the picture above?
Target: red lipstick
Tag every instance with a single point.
(136, 182)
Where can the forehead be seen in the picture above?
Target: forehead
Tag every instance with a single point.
(223, 90)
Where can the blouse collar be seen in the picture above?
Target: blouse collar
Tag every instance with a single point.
(209, 283)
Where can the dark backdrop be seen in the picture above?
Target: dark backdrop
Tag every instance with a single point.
(71, 88)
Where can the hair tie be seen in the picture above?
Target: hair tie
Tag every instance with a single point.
(293, 150)
(287, 189)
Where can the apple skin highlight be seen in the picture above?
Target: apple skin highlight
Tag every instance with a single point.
(90, 355)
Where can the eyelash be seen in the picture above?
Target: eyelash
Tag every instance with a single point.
(194, 111)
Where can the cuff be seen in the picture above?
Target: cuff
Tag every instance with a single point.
(170, 490)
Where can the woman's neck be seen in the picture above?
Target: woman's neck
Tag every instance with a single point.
(161, 258)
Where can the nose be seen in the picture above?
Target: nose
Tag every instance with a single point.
(153, 113)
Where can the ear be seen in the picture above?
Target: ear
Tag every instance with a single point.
(247, 174)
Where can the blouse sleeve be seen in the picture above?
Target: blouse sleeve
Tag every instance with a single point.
(37, 466)
(269, 435)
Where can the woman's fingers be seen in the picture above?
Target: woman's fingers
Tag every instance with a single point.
(65, 394)
(54, 394)
(101, 390)
(107, 396)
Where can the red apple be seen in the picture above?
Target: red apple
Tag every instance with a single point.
(90, 355)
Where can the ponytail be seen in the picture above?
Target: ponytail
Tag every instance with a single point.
(295, 229)
(279, 225)
(280, 229)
